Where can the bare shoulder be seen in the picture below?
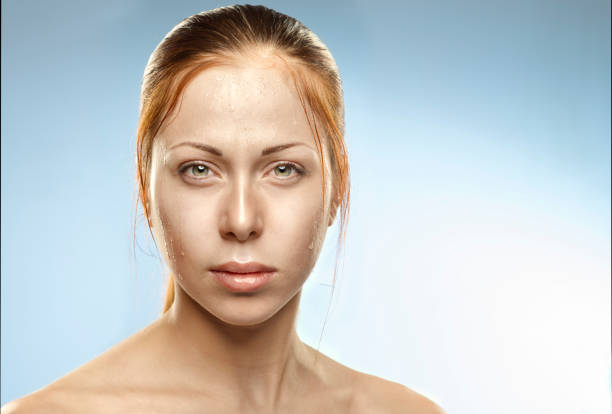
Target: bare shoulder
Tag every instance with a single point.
(368, 394)
(28, 404)
(93, 387)
(377, 395)
(72, 393)
(42, 401)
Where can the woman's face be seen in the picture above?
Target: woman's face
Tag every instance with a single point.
(236, 177)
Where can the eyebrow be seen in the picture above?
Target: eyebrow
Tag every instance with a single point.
(215, 151)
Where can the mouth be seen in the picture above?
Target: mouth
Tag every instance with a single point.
(242, 282)
(243, 277)
(243, 268)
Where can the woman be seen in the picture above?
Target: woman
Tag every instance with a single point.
(241, 170)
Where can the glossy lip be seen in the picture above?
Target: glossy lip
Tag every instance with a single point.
(243, 277)
(249, 267)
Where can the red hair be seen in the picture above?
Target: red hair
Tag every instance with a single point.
(216, 37)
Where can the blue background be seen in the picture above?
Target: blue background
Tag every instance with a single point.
(477, 265)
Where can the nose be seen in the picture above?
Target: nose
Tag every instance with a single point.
(241, 217)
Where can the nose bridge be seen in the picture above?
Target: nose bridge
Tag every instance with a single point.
(242, 212)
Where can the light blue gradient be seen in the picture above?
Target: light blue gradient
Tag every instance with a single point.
(477, 265)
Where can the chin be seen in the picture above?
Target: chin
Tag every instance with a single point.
(244, 310)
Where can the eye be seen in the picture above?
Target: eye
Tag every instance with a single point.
(284, 170)
(199, 170)
(195, 170)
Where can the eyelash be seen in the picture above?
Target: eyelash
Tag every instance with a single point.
(300, 171)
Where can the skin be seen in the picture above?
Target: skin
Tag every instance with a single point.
(214, 348)
(242, 208)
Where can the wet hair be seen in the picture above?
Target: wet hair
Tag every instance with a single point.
(217, 37)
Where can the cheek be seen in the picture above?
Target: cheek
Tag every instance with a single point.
(298, 228)
(184, 228)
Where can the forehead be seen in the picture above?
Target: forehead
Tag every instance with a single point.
(252, 101)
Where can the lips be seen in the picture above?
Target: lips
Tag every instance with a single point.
(243, 277)
(250, 267)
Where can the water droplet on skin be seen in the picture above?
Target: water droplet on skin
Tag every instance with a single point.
(311, 245)
(182, 253)
(166, 246)
(171, 251)
(180, 276)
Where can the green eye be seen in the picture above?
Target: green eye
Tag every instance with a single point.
(283, 170)
(199, 170)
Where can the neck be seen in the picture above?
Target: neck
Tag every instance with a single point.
(259, 365)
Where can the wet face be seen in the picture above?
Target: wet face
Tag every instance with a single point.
(236, 177)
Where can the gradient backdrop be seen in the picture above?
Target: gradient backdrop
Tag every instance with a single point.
(477, 266)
